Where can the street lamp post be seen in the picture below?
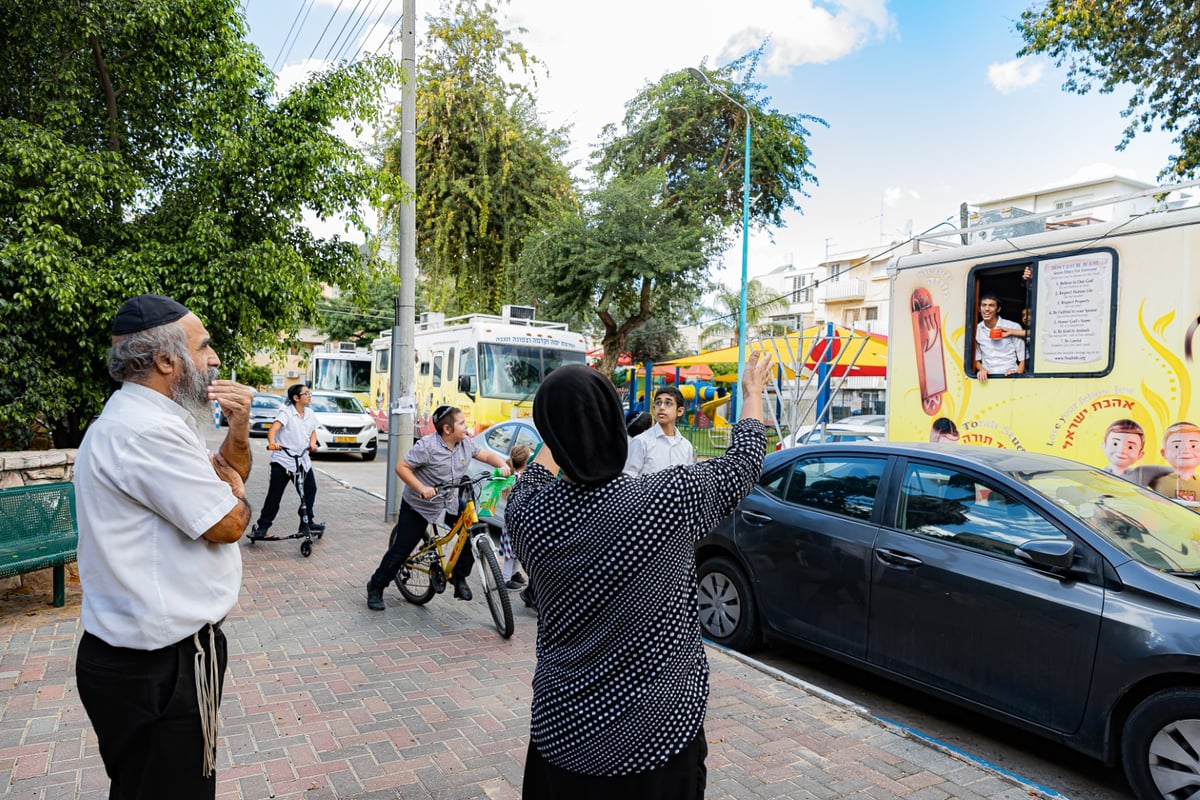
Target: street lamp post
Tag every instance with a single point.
(737, 401)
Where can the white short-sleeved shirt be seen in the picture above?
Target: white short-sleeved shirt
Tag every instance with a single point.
(998, 356)
(295, 435)
(653, 451)
(146, 492)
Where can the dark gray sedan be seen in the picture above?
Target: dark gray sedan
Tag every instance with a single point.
(1038, 590)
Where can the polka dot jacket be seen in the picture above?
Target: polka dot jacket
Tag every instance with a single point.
(621, 683)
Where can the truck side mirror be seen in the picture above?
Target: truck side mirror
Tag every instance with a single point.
(466, 385)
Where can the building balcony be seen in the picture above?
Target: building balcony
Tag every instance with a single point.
(846, 290)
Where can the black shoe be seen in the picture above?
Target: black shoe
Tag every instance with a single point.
(462, 591)
(527, 597)
(316, 527)
(375, 598)
(255, 534)
(514, 583)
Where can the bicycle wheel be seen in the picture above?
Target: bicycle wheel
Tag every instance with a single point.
(415, 580)
(493, 583)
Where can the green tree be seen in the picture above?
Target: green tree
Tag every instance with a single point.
(487, 169)
(624, 258)
(655, 340)
(1152, 46)
(359, 314)
(141, 149)
(256, 375)
(669, 198)
(696, 137)
(760, 302)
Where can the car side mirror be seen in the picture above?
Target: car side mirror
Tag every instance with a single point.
(466, 384)
(1052, 553)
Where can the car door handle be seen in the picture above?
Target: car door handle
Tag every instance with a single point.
(756, 518)
(897, 559)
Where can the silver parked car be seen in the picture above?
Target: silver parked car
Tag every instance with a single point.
(263, 409)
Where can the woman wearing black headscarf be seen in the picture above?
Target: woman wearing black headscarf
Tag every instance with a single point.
(621, 683)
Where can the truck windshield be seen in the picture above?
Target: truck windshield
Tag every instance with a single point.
(345, 375)
(515, 371)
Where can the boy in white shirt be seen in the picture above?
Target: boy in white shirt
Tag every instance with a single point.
(663, 445)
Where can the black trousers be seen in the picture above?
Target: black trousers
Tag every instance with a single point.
(684, 777)
(281, 479)
(144, 709)
(410, 527)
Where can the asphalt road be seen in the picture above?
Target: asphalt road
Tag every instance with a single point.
(1046, 764)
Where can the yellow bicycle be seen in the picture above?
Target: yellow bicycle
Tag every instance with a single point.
(430, 567)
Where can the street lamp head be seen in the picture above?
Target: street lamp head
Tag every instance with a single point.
(696, 73)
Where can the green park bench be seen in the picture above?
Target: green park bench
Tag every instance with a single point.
(37, 530)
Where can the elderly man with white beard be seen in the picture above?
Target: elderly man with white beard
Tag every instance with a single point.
(159, 521)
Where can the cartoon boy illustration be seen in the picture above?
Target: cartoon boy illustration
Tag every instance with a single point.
(1124, 444)
(1181, 449)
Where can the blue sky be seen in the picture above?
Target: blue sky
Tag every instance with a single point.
(926, 104)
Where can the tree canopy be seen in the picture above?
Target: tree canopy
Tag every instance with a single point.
(1152, 46)
(488, 171)
(624, 259)
(667, 200)
(141, 149)
(696, 137)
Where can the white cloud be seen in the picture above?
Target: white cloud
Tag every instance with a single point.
(1009, 76)
(895, 195)
(594, 69)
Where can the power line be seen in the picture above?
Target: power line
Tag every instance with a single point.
(389, 33)
(324, 31)
(360, 29)
(297, 37)
(283, 44)
(345, 25)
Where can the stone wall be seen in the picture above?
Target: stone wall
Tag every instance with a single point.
(25, 468)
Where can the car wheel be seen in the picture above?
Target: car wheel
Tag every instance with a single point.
(1160, 746)
(727, 613)
(372, 450)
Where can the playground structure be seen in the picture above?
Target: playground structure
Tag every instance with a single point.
(811, 367)
(702, 399)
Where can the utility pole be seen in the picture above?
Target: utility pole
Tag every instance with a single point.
(400, 394)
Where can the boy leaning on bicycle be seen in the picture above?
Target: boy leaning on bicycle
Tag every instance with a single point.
(437, 459)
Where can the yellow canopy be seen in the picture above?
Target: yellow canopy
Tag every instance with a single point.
(865, 354)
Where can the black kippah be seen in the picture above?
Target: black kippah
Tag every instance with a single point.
(146, 311)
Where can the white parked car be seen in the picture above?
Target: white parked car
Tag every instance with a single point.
(865, 427)
(343, 425)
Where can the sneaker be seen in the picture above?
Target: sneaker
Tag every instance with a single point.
(462, 591)
(316, 527)
(375, 598)
(527, 597)
(256, 534)
(515, 583)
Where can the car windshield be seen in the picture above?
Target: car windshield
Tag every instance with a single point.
(329, 404)
(515, 371)
(1146, 526)
(266, 401)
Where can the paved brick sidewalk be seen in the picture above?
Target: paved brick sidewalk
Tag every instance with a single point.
(325, 699)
